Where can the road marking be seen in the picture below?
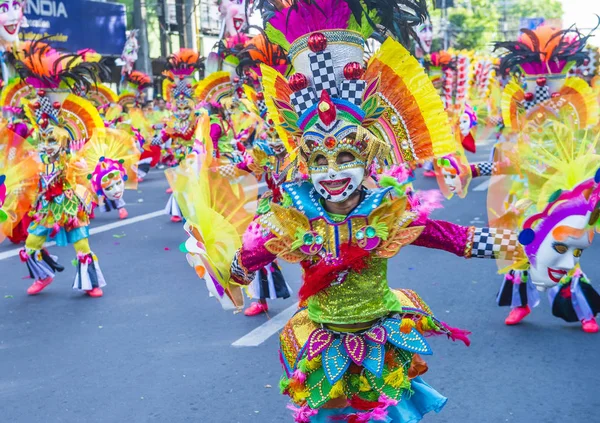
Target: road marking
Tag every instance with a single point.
(483, 186)
(11, 253)
(267, 329)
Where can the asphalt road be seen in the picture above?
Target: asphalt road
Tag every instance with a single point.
(156, 348)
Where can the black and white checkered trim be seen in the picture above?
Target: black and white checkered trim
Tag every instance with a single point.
(352, 91)
(485, 168)
(262, 108)
(156, 140)
(304, 99)
(494, 243)
(323, 72)
(47, 108)
(541, 94)
(238, 273)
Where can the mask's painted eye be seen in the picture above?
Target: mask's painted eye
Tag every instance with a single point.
(3, 8)
(577, 253)
(345, 157)
(321, 160)
(560, 248)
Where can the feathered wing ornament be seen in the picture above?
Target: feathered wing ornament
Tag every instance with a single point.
(277, 94)
(214, 88)
(19, 174)
(414, 122)
(217, 209)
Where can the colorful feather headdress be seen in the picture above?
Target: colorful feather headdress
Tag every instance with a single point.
(54, 75)
(132, 91)
(545, 56)
(390, 105)
(180, 82)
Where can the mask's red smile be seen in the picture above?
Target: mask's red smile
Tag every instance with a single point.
(11, 29)
(556, 275)
(336, 187)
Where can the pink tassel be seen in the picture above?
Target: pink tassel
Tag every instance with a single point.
(23, 255)
(517, 278)
(386, 401)
(377, 415)
(84, 258)
(510, 277)
(300, 376)
(457, 334)
(302, 414)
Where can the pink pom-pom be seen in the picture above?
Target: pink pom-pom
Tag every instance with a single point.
(302, 414)
(84, 258)
(300, 376)
(23, 255)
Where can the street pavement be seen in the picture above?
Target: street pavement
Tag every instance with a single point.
(156, 348)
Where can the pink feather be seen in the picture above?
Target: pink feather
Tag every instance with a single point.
(299, 376)
(317, 16)
(424, 202)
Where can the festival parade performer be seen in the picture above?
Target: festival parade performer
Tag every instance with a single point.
(534, 113)
(112, 156)
(555, 209)
(63, 203)
(352, 352)
(270, 157)
(179, 90)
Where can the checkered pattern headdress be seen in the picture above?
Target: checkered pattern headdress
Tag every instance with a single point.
(333, 94)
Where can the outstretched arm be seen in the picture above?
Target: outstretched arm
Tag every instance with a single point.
(469, 241)
(252, 255)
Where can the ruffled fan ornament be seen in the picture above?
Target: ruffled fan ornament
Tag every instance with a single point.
(544, 56)
(19, 173)
(389, 106)
(109, 152)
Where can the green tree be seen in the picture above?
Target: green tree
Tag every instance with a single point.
(129, 7)
(471, 24)
(547, 9)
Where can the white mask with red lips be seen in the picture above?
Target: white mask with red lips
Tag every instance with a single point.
(336, 182)
(115, 189)
(425, 35)
(556, 257)
(11, 19)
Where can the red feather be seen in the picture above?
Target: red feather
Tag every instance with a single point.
(319, 276)
(363, 405)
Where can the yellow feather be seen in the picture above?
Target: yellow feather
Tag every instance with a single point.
(414, 98)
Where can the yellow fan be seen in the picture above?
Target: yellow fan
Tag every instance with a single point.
(112, 144)
(217, 209)
(19, 173)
